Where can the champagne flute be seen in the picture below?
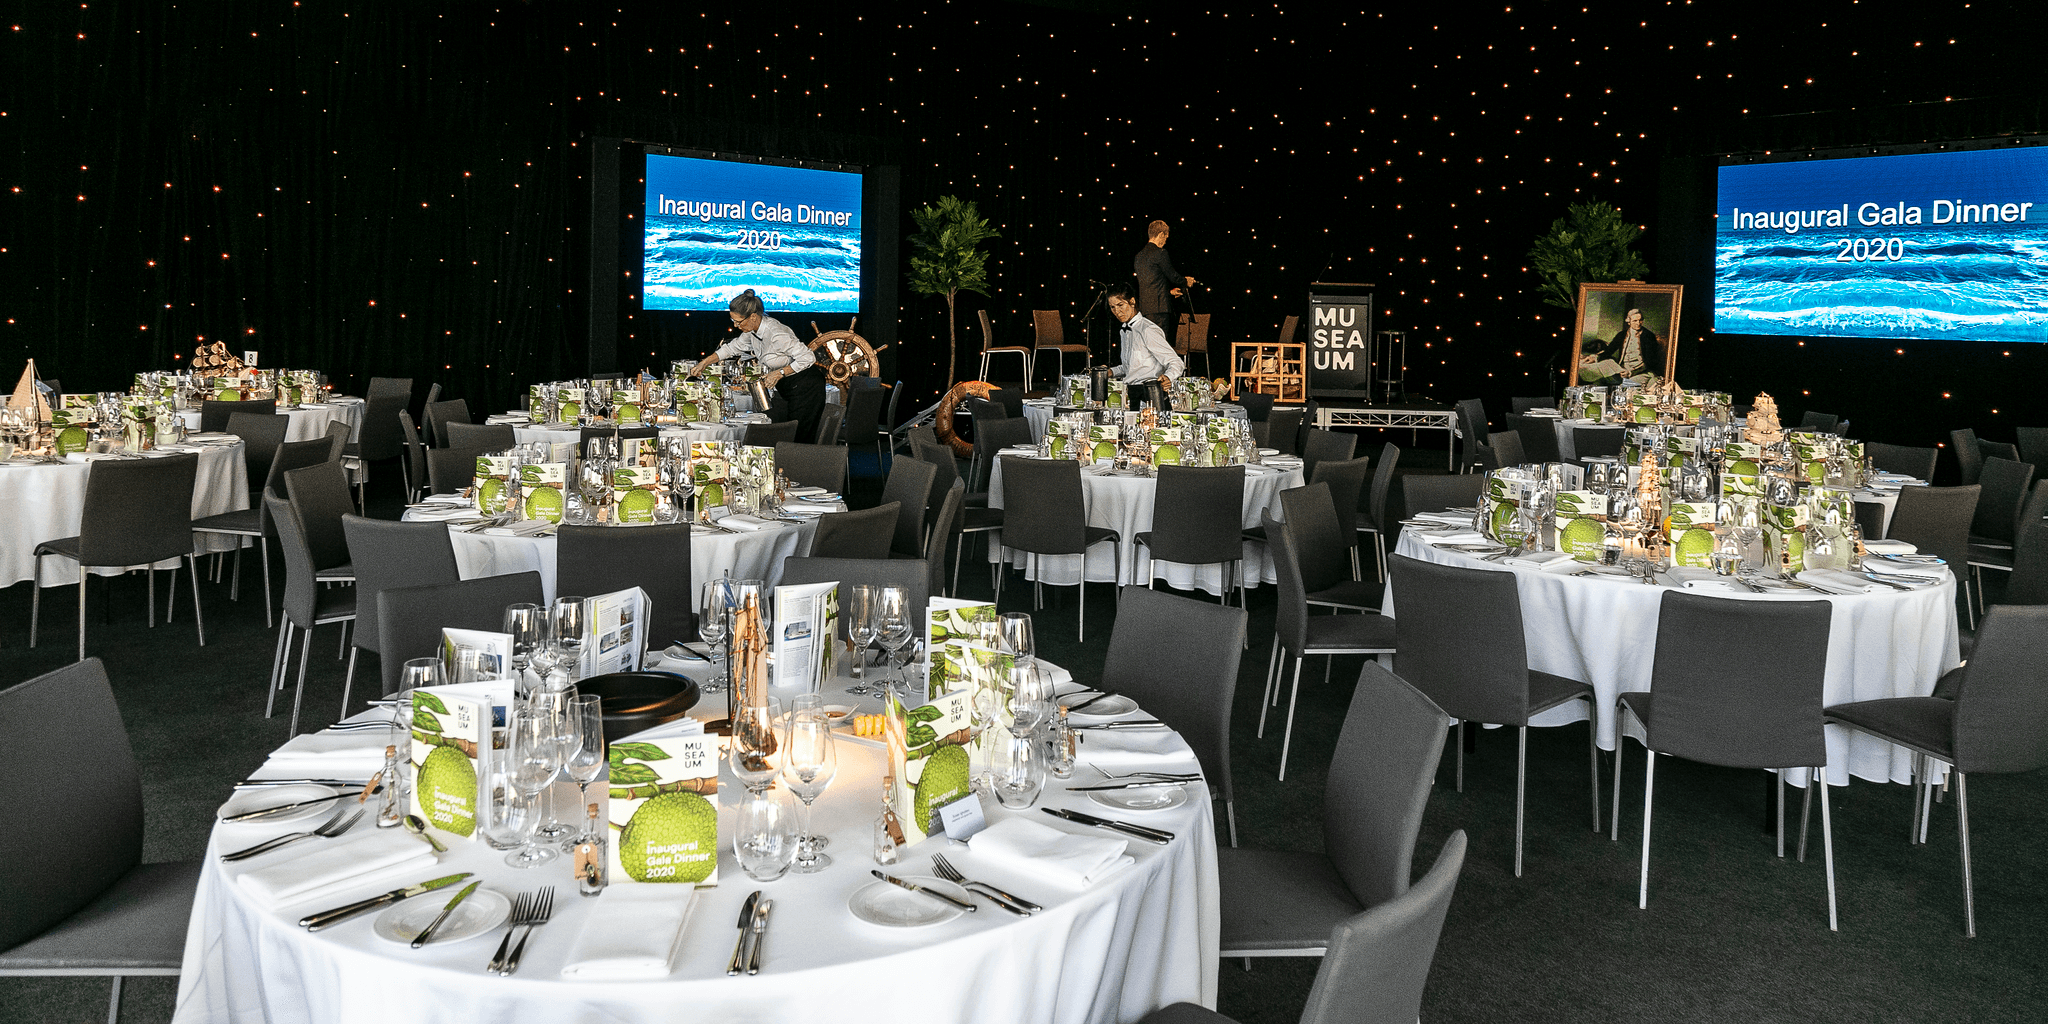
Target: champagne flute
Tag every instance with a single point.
(861, 626)
(534, 756)
(561, 729)
(809, 761)
(712, 626)
(893, 626)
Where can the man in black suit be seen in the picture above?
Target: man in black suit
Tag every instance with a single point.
(1158, 282)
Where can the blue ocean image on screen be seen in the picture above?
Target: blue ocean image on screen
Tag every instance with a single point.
(1981, 280)
(715, 228)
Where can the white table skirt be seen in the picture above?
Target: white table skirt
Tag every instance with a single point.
(42, 503)
(747, 556)
(1889, 644)
(1124, 504)
(1038, 412)
(309, 421)
(1142, 938)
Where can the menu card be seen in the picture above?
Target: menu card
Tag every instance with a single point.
(664, 802)
(612, 637)
(928, 762)
(1118, 395)
(635, 493)
(1785, 534)
(700, 401)
(708, 476)
(569, 404)
(1057, 433)
(1166, 442)
(806, 618)
(949, 620)
(493, 483)
(1104, 437)
(1580, 518)
(543, 483)
(1691, 527)
(496, 649)
(447, 728)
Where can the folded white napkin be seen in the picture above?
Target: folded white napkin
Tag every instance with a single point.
(1446, 518)
(524, 529)
(1136, 748)
(1692, 577)
(330, 755)
(327, 868)
(1929, 571)
(1025, 847)
(1460, 537)
(1538, 559)
(633, 935)
(1836, 582)
(1891, 547)
(705, 425)
(435, 515)
(84, 457)
(745, 523)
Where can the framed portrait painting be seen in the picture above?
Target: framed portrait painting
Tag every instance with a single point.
(1626, 331)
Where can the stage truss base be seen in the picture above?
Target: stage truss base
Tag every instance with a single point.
(1413, 420)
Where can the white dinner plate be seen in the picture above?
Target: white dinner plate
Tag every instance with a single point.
(801, 491)
(1107, 707)
(484, 910)
(1269, 451)
(893, 906)
(256, 799)
(1157, 798)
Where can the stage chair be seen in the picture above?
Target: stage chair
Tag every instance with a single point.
(990, 348)
(1052, 337)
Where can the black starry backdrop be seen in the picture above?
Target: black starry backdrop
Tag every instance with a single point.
(404, 189)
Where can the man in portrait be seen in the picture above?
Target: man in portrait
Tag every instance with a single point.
(1633, 354)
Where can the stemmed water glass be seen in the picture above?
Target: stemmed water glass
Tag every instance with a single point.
(713, 623)
(754, 749)
(553, 707)
(1016, 635)
(893, 628)
(584, 755)
(1030, 698)
(809, 760)
(565, 633)
(861, 626)
(505, 814)
(529, 631)
(534, 756)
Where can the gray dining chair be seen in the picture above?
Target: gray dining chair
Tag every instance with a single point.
(307, 606)
(1325, 445)
(944, 527)
(1286, 902)
(860, 533)
(2033, 446)
(1969, 458)
(1539, 438)
(1823, 422)
(989, 439)
(214, 413)
(1751, 705)
(1045, 512)
(380, 386)
(1421, 492)
(1317, 533)
(1997, 722)
(813, 465)
(389, 554)
(912, 574)
(597, 560)
(1375, 508)
(320, 494)
(415, 464)
(1299, 635)
(489, 437)
(2002, 557)
(990, 348)
(974, 519)
(2028, 583)
(440, 414)
(1596, 442)
(1936, 521)
(410, 619)
(450, 470)
(1198, 519)
(1524, 404)
(1178, 658)
(768, 435)
(1917, 463)
(862, 424)
(1278, 429)
(1995, 525)
(1507, 447)
(136, 513)
(262, 431)
(1257, 406)
(1459, 640)
(93, 908)
(254, 522)
(830, 420)
(909, 485)
(1377, 962)
(1998, 450)
(1472, 425)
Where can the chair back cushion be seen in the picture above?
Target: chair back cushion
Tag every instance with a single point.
(1320, 546)
(320, 494)
(1969, 459)
(2001, 719)
(594, 560)
(72, 783)
(440, 414)
(2005, 484)
(1915, 462)
(1738, 683)
(767, 435)
(1386, 758)
(910, 486)
(1458, 638)
(1178, 658)
(1346, 480)
(1044, 511)
(1377, 963)
(138, 511)
(262, 431)
(410, 619)
(1198, 514)
(862, 533)
(490, 437)
(387, 555)
(813, 465)
(1326, 445)
(1936, 520)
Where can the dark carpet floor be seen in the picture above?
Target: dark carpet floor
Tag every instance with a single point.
(1731, 933)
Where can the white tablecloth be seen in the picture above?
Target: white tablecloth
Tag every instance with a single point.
(1604, 631)
(1141, 938)
(1038, 411)
(1124, 504)
(43, 502)
(309, 421)
(551, 434)
(747, 556)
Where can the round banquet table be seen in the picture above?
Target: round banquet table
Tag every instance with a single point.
(1604, 631)
(47, 502)
(714, 553)
(1038, 412)
(1141, 937)
(569, 433)
(310, 421)
(1123, 503)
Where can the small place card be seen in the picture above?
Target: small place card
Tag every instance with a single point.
(963, 818)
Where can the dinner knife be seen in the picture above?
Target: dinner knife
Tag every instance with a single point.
(1153, 784)
(1136, 723)
(746, 927)
(925, 890)
(760, 936)
(424, 936)
(315, 922)
(275, 783)
(268, 811)
(1150, 835)
(1105, 695)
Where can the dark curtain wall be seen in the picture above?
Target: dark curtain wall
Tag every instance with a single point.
(402, 189)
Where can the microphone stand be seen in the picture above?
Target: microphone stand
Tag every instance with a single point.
(1088, 319)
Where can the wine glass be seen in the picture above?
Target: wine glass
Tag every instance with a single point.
(583, 754)
(893, 628)
(529, 631)
(809, 760)
(1020, 765)
(1030, 698)
(553, 705)
(565, 632)
(712, 626)
(764, 839)
(1016, 634)
(533, 758)
(754, 747)
(862, 627)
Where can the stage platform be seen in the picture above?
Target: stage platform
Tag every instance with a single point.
(1413, 416)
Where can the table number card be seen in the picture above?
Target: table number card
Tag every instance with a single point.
(664, 804)
(447, 729)
(928, 761)
(950, 620)
(543, 483)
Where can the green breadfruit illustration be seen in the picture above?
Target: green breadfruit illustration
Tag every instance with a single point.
(944, 780)
(678, 833)
(447, 789)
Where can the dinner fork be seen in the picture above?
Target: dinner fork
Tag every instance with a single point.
(544, 908)
(1170, 776)
(946, 870)
(522, 914)
(335, 826)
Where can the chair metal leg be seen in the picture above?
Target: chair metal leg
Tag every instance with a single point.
(1805, 805)
(263, 544)
(1593, 759)
(1827, 844)
(198, 615)
(278, 661)
(1919, 790)
(1614, 801)
(35, 601)
(171, 594)
(299, 693)
(1649, 783)
(1287, 737)
(1461, 755)
(1927, 794)
(81, 612)
(1521, 775)
(1081, 617)
(348, 678)
(151, 602)
(235, 581)
(346, 686)
(114, 1003)
(341, 649)
(1963, 836)
(1780, 779)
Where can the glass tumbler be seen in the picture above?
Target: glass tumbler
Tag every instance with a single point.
(764, 834)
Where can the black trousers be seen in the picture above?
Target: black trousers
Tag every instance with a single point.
(805, 393)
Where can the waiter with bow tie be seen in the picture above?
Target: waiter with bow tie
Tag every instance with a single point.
(1146, 355)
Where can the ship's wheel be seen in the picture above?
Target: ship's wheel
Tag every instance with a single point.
(844, 355)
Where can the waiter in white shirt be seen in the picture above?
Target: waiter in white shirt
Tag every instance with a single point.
(1146, 355)
(792, 369)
